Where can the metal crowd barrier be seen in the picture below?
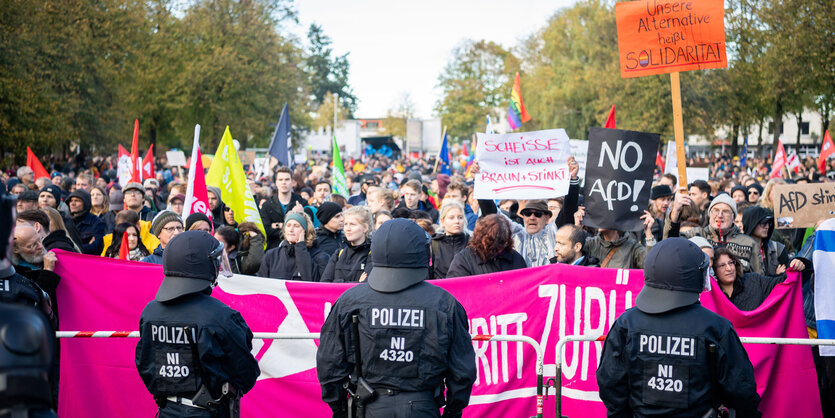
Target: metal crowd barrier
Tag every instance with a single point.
(745, 340)
(315, 336)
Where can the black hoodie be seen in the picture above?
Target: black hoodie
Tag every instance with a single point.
(90, 228)
(773, 253)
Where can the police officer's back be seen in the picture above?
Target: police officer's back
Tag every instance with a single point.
(414, 340)
(669, 356)
(191, 343)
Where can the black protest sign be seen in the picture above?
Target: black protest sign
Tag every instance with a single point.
(618, 178)
(803, 205)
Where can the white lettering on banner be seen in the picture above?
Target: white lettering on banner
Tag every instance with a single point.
(619, 156)
(590, 309)
(499, 325)
(528, 165)
(4, 286)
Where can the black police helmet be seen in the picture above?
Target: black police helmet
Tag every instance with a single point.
(27, 344)
(190, 264)
(400, 253)
(674, 275)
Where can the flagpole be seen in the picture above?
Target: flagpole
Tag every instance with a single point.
(437, 160)
(678, 127)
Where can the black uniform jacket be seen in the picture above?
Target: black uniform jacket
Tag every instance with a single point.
(658, 365)
(166, 362)
(415, 340)
(348, 264)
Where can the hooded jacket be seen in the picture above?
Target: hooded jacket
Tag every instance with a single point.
(444, 248)
(347, 264)
(627, 252)
(745, 248)
(294, 262)
(217, 213)
(772, 252)
(90, 228)
(423, 206)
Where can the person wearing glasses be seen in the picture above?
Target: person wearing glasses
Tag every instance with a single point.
(720, 230)
(746, 291)
(166, 225)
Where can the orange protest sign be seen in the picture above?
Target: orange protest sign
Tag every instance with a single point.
(662, 36)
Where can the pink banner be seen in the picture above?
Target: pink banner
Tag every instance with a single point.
(786, 379)
(98, 376)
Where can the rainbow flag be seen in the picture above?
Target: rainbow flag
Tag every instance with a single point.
(516, 112)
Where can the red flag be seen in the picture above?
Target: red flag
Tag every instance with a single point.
(124, 249)
(148, 163)
(659, 161)
(610, 121)
(197, 196)
(35, 164)
(793, 163)
(827, 149)
(779, 160)
(136, 163)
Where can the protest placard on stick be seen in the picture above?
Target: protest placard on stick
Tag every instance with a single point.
(618, 178)
(526, 165)
(802, 205)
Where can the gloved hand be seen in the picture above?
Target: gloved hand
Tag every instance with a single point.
(339, 408)
(448, 413)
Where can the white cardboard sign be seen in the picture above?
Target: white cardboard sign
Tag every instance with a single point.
(524, 165)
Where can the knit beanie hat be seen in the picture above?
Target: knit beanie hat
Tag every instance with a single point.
(298, 217)
(723, 198)
(327, 211)
(196, 217)
(54, 190)
(161, 219)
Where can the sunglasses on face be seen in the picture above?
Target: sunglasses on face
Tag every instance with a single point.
(529, 212)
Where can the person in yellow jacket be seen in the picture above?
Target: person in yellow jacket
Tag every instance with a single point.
(148, 239)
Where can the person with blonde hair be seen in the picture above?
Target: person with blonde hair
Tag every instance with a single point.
(351, 264)
(445, 245)
(298, 256)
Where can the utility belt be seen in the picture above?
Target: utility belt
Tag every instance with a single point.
(228, 401)
(395, 392)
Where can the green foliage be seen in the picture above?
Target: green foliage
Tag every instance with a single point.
(476, 82)
(82, 71)
(328, 73)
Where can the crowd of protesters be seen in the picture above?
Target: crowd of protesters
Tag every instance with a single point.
(312, 234)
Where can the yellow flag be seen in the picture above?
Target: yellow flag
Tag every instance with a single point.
(227, 173)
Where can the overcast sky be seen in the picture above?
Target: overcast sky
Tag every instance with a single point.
(401, 46)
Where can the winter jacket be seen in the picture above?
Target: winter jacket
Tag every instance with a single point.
(249, 261)
(773, 252)
(751, 290)
(628, 253)
(272, 212)
(329, 241)
(89, 226)
(471, 217)
(294, 262)
(467, 263)
(109, 219)
(347, 264)
(585, 261)
(444, 248)
(58, 240)
(745, 248)
(155, 257)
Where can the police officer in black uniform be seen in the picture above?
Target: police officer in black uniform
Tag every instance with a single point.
(669, 356)
(416, 354)
(194, 351)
